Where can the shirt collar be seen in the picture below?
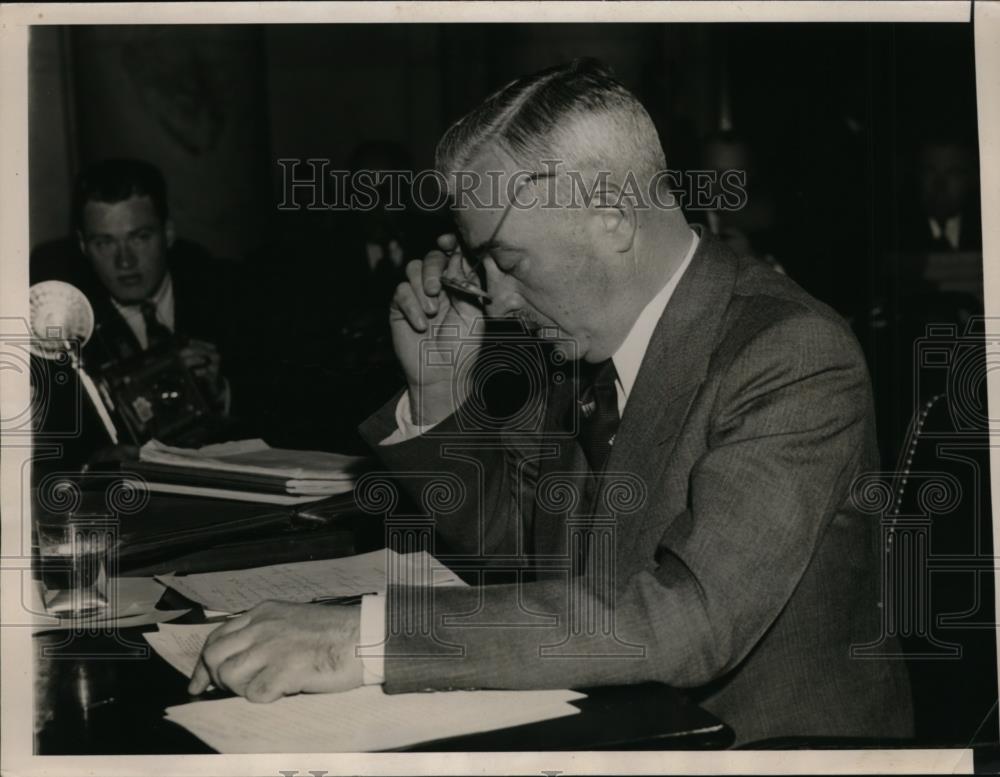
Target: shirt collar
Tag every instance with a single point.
(628, 358)
(951, 230)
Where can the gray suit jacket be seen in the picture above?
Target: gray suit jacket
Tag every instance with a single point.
(727, 557)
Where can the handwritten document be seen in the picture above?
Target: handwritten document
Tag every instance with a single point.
(303, 581)
(362, 720)
(180, 644)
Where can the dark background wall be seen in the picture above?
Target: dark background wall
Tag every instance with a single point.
(831, 109)
(188, 99)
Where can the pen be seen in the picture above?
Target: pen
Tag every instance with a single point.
(342, 600)
(467, 287)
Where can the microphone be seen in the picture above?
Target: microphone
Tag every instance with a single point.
(59, 313)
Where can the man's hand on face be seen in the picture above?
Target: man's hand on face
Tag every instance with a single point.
(203, 360)
(422, 310)
(281, 648)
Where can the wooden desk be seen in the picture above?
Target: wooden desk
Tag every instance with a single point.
(106, 693)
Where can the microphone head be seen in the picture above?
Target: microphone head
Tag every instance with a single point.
(59, 312)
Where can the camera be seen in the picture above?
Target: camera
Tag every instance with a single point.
(153, 395)
(507, 374)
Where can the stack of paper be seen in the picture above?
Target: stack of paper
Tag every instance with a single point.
(250, 466)
(305, 581)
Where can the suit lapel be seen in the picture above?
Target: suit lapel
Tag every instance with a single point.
(113, 339)
(674, 366)
(184, 293)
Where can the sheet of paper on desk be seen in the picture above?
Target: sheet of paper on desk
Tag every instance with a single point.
(180, 644)
(104, 623)
(132, 602)
(303, 581)
(362, 720)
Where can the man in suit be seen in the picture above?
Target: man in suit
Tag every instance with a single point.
(147, 288)
(944, 217)
(683, 512)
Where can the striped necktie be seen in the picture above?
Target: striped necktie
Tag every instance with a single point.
(599, 416)
(156, 331)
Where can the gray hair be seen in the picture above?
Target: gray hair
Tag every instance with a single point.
(576, 113)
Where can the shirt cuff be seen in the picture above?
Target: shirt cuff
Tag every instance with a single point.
(372, 639)
(405, 428)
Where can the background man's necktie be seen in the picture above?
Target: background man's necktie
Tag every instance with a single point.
(156, 332)
(599, 416)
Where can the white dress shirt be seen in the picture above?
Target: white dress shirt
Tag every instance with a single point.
(163, 299)
(627, 360)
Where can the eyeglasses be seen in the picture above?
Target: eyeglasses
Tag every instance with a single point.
(467, 285)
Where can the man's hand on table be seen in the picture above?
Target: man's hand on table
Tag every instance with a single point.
(280, 648)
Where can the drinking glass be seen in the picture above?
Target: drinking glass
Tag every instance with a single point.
(73, 556)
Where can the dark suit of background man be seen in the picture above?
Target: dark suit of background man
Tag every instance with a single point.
(740, 568)
(944, 216)
(145, 286)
